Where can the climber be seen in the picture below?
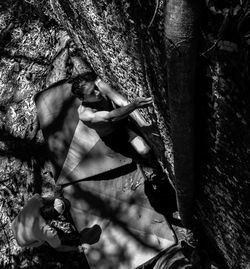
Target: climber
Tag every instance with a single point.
(98, 112)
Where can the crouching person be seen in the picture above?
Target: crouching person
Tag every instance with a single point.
(35, 225)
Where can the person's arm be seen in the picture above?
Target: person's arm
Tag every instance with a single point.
(113, 95)
(119, 100)
(116, 114)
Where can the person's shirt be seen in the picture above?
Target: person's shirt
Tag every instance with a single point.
(29, 227)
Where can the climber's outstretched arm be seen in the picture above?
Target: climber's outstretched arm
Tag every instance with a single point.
(120, 100)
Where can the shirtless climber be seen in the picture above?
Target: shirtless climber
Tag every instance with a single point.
(98, 112)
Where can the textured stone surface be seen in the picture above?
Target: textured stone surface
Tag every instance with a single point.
(110, 35)
(223, 185)
(116, 54)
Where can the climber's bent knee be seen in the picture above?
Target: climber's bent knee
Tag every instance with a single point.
(140, 145)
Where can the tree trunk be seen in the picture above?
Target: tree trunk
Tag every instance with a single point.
(181, 23)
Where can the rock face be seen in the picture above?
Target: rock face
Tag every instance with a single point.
(223, 150)
(123, 41)
(222, 136)
(110, 36)
(127, 50)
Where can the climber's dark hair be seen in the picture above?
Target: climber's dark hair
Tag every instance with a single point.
(85, 77)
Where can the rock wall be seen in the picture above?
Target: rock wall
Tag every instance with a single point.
(222, 134)
(109, 35)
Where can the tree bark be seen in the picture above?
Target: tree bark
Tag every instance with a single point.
(181, 20)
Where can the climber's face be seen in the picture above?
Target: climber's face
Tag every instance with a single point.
(89, 92)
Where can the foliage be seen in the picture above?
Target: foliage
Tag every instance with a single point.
(27, 51)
